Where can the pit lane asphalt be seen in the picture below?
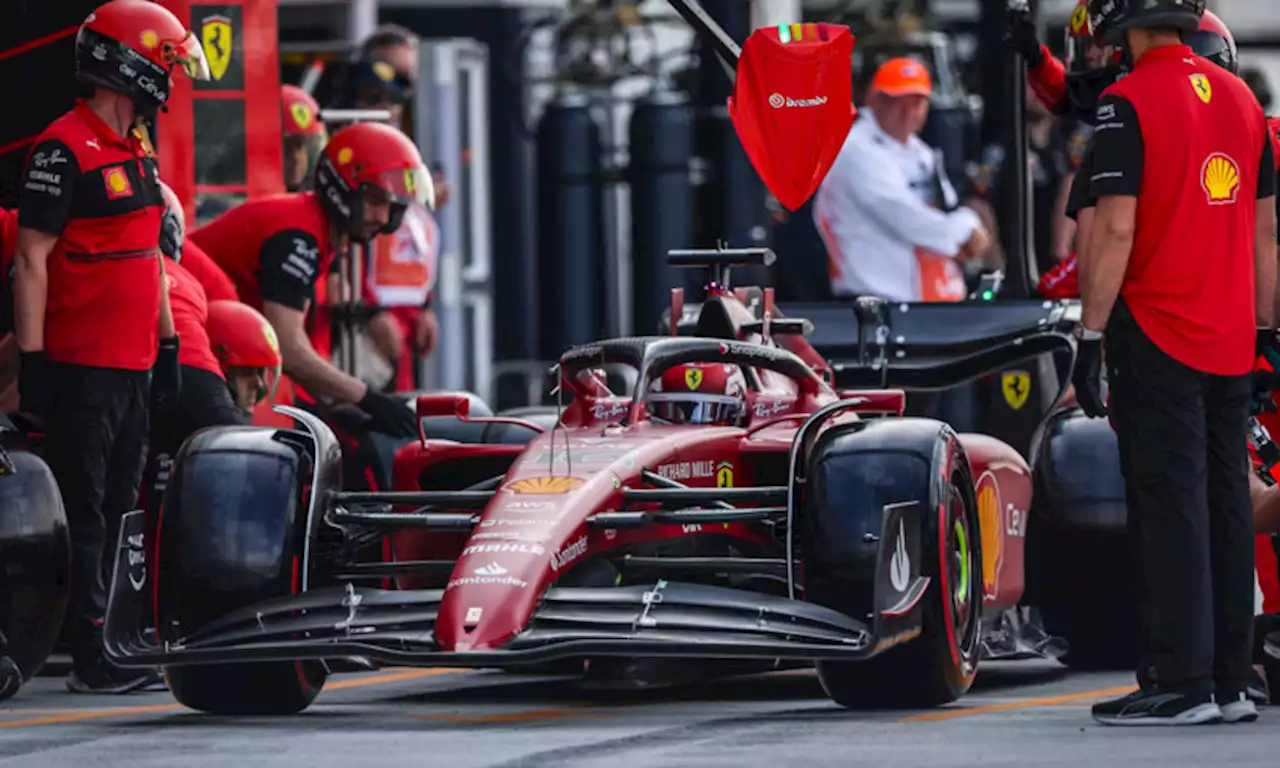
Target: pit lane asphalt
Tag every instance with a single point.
(1019, 714)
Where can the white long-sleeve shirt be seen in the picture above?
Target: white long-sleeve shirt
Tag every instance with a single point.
(876, 213)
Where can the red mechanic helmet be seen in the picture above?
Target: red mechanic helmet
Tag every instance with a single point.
(1215, 42)
(132, 46)
(371, 158)
(246, 346)
(301, 112)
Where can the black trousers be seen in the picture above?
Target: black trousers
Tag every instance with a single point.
(95, 444)
(1183, 455)
(203, 402)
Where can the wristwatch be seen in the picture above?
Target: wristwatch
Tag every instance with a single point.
(1085, 334)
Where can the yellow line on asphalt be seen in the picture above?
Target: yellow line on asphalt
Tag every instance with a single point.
(393, 675)
(1046, 701)
(513, 717)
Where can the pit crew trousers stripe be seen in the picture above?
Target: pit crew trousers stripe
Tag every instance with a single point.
(1186, 471)
(95, 444)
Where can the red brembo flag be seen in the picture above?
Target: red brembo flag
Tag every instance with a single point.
(792, 105)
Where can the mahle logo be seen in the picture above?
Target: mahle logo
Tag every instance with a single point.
(778, 101)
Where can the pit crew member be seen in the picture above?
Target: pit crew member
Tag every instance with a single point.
(205, 400)
(92, 315)
(274, 249)
(247, 350)
(699, 393)
(1180, 349)
(304, 136)
(1073, 89)
(882, 209)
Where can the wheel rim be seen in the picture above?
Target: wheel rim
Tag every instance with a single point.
(961, 573)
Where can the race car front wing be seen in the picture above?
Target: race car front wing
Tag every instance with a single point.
(396, 627)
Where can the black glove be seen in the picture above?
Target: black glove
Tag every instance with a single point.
(171, 236)
(389, 417)
(1087, 375)
(1022, 38)
(166, 376)
(35, 387)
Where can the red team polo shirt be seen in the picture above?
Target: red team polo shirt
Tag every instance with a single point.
(100, 194)
(273, 248)
(217, 286)
(190, 315)
(1192, 139)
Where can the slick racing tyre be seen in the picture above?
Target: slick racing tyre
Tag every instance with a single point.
(267, 688)
(880, 465)
(232, 533)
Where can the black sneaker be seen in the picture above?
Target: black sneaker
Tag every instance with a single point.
(101, 676)
(1258, 690)
(1149, 707)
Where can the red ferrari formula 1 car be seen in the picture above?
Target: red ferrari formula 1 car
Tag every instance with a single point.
(808, 525)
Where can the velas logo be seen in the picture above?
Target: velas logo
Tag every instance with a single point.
(1220, 179)
(546, 486)
(778, 101)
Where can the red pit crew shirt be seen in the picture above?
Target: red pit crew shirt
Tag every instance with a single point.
(100, 194)
(273, 249)
(190, 315)
(1188, 139)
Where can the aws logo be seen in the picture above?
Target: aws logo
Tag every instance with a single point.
(1220, 179)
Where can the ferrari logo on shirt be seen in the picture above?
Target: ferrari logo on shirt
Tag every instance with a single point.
(1220, 179)
(301, 115)
(693, 378)
(1202, 87)
(215, 36)
(117, 182)
(1016, 386)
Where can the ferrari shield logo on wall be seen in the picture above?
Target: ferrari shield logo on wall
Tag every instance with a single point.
(693, 377)
(215, 36)
(1016, 386)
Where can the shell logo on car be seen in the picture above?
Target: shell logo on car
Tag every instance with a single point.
(992, 533)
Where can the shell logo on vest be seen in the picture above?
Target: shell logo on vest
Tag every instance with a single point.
(1220, 179)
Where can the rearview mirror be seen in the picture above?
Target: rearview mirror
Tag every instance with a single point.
(792, 105)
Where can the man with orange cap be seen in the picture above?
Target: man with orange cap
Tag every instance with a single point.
(886, 210)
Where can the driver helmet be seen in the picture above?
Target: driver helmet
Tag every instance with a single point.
(699, 393)
(304, 135)
(247, 349)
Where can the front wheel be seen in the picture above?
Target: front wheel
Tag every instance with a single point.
(265, 688)
(938, 666)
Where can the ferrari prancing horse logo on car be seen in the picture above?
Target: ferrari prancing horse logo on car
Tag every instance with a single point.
(1016, 386)
(215, 36)
(693, 378)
